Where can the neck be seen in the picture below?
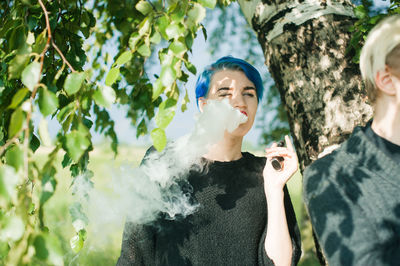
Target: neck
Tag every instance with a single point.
(386, 121)
(228, 149)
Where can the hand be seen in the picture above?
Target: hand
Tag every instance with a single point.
(275, 180)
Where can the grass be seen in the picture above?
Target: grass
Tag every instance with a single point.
(105, 250)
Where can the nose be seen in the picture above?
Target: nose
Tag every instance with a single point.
(238, 101)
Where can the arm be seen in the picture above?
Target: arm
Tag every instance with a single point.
(137, 245)
(278, 242)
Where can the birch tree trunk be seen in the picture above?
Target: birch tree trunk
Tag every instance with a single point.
(304, 45)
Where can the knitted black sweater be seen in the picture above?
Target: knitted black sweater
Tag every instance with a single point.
(228, 228)
(353, 200)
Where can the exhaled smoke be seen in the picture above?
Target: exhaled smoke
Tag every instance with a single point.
(140, 194)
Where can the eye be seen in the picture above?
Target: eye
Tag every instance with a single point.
(224, 95)
(249, 94)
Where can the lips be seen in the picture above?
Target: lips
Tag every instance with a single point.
(243, 112)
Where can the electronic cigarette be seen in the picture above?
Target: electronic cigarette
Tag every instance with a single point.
(277, 162)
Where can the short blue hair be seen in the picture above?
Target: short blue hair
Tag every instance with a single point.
(228, 63)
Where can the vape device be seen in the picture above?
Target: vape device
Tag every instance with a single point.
(277, 162)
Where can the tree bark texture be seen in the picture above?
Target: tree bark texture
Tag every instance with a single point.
(304, 44)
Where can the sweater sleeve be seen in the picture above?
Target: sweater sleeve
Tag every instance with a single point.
(293, 228)
(138, 240)
(293, 231)
(345, 232)
(137, 245)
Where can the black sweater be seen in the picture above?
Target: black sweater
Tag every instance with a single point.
(353, 200)
(228, 227)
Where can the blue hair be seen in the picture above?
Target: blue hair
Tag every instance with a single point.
(228, 63)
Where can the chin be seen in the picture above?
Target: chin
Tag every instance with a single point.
(241, 131)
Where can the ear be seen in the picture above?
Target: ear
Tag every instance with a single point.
(202, 102)
(384, 82)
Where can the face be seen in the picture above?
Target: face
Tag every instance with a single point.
(241, 92)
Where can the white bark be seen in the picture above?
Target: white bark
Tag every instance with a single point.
(296, 13)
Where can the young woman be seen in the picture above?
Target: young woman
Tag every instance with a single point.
(245, 216)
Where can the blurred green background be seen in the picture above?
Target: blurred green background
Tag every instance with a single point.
(105, 251)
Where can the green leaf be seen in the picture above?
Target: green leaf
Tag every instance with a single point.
(185, 101)
(17, 64)
(174, 30)
(73, 82)
(18, 98)
(8, 183)
(141, 130)
(162, 23)
(166, 57)
(41, 251)
(48, 248)
(17, 38)
(65, 112)
(197, 13)
(48, 102)
(166, 113)
(360, 12)
(66, 160)
(112, 76)
(13, 229)
(40, 43)
(44, 133)
(144, 50)
(179, 14)
(144, 26)
(143, 7)
(157, 89)
(34, 144)
(177, 47)
(76, 243)
(16, 123)
(124, 58)
(203, 29)
(168, 76)
(208, 3)
(104, 96)
(190, 67)
(76, 144)
(159, 138)
(155, 37)
(49, 184)
(133, 40)
(4, 249)
(31, 75)
(189, 40)
(15, 157)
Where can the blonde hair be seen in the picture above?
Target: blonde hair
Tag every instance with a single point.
(383, 42)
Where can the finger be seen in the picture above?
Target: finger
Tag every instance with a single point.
(278, 149)
(275, 154)
(289, 144)
(274, 145)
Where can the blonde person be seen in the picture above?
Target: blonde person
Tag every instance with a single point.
(352, 194)
(245, 216)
